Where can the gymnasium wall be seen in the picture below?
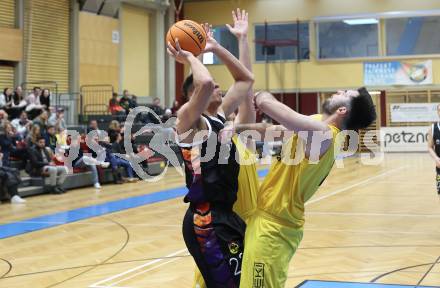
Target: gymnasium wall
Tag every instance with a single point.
(12, 52)
(135, 39)
(313, 75)
(98, 55)
(47, 42)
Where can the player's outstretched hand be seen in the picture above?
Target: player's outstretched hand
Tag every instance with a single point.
(177, 53)
(241, 25)
(211, 43)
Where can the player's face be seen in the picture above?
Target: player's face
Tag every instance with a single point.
(340, 99)
(216, 97)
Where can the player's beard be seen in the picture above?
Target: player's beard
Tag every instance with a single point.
(329, 107)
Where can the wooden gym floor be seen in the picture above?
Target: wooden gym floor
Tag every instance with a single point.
(364, 223)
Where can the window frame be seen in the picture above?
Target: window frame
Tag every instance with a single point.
(379, 44)
(254, 58)
(382, 37)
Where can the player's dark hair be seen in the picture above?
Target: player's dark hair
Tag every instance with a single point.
(362, 111)
(188, 84)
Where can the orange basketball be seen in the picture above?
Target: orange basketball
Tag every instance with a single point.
(191, 35)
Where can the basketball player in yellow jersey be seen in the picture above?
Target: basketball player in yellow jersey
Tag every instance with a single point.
(275, 230)
(248, 182)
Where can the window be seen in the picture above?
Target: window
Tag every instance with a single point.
(348, 39)
(413, 36)
(227, 40)
(282, 33)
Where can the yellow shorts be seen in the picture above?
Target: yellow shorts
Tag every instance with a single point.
(268, 249)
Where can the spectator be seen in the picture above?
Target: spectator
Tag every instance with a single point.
(114, 128)
(175, 108)
(88, 162)
(6, 98)
(125, 101)
(10, 179)
(114, 106)
(8, 144)
(41, 121)
(18, 103)
(93, 126)
(22, 125)
(57, 120)
(3, 117)
(157, 109)
(116, 162)
(45, 98)
(41, 165)
(34, 107)
(50, 138)
(133, 102)
(32, 137)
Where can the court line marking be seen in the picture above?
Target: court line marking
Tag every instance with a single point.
(144, 271)
(338, 191)
(97, 284)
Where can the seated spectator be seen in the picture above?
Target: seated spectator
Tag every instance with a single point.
(93, 125)
(6, 98)
(133, 102)
(175, 108)
(41, 121)
(88, 162)
(114, 128)
(9, 181)
(116, 162)
(8, 140)
(114, 107)
(45, 98)
(42, 165)
(34, 107)
(57, 120)
(125, 101)
(32, 137)
(3, 117)
(22, 125)
(18, 103)
(51, 138)
(157, 109)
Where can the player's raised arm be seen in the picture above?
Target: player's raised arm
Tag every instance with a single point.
(243, 78)
(286, 116)
(246, 110)
(188, 116)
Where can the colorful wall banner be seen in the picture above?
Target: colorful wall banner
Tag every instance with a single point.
(414, 112)
(397, 73)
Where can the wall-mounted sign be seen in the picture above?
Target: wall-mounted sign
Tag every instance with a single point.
(397, 73)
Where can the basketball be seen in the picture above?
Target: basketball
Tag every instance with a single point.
(191, 35)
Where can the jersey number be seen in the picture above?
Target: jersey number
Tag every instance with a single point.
(237, 264)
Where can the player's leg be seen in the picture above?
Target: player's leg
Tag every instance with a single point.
(218, 260)
(268, 251)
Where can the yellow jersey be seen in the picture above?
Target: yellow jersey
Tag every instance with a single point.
(248, 182)
(288, 186)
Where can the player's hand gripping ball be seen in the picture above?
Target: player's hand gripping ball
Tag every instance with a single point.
(191, 36)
